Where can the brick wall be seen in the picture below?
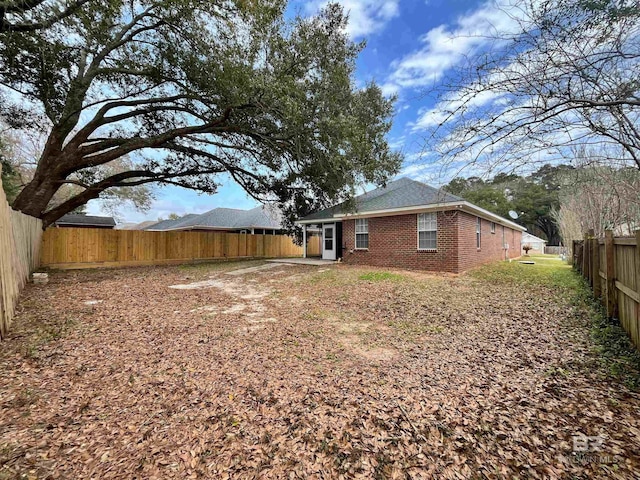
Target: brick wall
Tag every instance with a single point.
(393, 242)
(491, 244)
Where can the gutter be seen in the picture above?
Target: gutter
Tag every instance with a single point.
(462, 205)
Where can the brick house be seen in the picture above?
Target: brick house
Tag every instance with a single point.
(408, 224)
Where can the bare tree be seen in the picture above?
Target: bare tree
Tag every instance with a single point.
(568, 76)
(599, 198)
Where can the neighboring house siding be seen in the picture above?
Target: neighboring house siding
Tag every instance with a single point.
(393, 242)
(536, 246)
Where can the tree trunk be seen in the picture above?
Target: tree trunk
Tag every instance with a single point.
(77, 201)
(36, 195)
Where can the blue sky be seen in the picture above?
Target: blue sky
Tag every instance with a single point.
(410, 48)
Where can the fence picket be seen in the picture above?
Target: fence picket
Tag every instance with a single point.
(69, 248)
(20, 241)
(620, 284)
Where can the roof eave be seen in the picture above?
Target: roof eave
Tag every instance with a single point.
(64, 224)
(481, 212)
(460, 205)
(318, 220)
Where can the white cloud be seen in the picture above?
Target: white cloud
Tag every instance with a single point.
(446, 46)
(449, 110)
(365, 16)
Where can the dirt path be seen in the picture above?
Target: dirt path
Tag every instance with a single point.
(300, 372)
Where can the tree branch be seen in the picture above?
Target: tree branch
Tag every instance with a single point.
(27, 5)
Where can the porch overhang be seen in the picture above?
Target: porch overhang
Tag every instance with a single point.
(319, 220)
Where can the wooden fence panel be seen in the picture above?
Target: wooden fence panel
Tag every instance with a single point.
(20, 243)
(616, 262)
(314, 246)
(94, 247)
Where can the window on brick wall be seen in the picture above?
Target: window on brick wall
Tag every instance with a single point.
(362, 233)
(493, 227)
(427, 231)
(479, 233)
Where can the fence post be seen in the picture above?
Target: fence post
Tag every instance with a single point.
(595, 255)
(585, 256)
(609, 253)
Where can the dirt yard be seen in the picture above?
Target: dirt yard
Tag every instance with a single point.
(242, 370)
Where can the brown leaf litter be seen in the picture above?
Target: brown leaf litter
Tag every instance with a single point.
(300, 373)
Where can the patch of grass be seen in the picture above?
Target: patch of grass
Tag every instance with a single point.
(381, 277)
(328, 277)
(219, 265)
(616, 353)
(53, 329)
(414, 329)
(547, 271)
(26, 398)
(614, 348)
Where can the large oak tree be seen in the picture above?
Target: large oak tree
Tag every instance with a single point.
(190, 90)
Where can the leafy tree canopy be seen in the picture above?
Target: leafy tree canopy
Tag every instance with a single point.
(533, 197)
(190, 90)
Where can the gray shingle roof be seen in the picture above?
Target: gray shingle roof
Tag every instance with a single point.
(231, 218)
(138, 226)
(85, 220)
(400, 193)
(169, 224)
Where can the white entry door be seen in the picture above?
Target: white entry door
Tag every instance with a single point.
(329, 241)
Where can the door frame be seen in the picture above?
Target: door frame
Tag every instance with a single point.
(329, 254)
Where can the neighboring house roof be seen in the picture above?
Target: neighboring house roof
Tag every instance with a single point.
(169, 224)
(78, 220)
(137, 226)
(225, 219)
(527, 238)
(402, 196)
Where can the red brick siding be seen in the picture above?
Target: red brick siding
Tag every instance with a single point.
(393, 242)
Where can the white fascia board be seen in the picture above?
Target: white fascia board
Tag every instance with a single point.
(461, 205)
(534, 238)
(402, 210)
(319, 220)
(481, 212)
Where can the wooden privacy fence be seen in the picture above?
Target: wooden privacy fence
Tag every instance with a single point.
(314, 245)
(556, 250)
(20, 240)
(612, 267)
(93, 247)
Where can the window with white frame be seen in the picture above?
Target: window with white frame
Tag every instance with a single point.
(493, 227)
(362, 233)
(479, 233)
(427, 231)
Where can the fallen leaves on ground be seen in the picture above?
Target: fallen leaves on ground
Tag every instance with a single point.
(297, 372)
